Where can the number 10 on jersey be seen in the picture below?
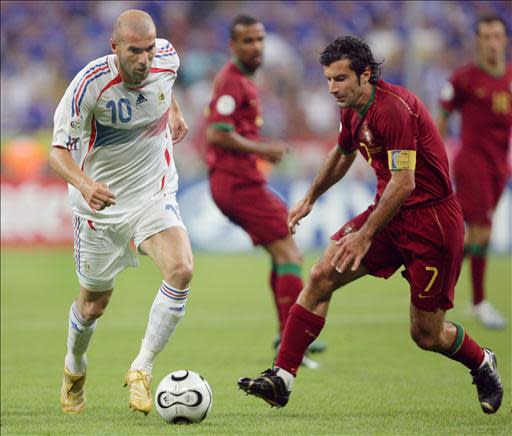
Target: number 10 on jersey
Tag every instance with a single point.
(123, 110)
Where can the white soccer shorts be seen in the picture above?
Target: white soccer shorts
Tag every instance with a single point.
(102, 251)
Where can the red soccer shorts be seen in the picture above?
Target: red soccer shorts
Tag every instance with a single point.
(251, 205)
(478, 189)
(428, 241)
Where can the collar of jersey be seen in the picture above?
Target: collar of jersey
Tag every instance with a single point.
(241, 66)
(487, 71)
(365, 108)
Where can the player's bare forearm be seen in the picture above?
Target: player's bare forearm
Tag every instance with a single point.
(231, 140)
(179, 127)
(175, 107)
(396, 192)
(333, 170)
(353, 247)
(63, 164)
(272, 151)
(97, 195)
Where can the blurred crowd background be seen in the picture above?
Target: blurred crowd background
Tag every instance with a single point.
(44, 44)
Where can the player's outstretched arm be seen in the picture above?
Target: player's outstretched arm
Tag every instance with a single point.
(272, 151)
(177, 123)
(333, 169)
(97, 195)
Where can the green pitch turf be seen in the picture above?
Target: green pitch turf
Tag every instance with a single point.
(373, 380)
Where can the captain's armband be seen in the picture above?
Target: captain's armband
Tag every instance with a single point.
(401, 160)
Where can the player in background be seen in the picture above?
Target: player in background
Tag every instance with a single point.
(482, 92)
(113, 145)
(415, 222)
(234, 146)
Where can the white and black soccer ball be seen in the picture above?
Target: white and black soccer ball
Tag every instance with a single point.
(183, 397)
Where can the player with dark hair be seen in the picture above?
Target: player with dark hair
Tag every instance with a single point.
(234, 146)
(415, 222)
(482, 92)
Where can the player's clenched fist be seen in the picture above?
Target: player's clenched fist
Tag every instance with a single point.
(179, 129)
(97, 195)
(300, 210)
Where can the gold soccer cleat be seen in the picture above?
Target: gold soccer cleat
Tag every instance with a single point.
(139, 381)
(72, 393)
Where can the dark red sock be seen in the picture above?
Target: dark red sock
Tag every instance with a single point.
(302, 328)
(288, 287)
(465, 349)
(272, 280)
(478, 266)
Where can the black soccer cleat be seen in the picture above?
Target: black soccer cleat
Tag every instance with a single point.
(268, 386)
(488, 384)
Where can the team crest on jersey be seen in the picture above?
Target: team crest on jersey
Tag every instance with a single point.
(161, 96)
(367, 134)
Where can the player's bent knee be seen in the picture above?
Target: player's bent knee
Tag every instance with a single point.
(320, 275)
(93, 310)
(180, 275)
(320, 285)
(424, 339)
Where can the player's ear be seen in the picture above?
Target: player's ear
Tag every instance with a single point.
(113, 44)
(365, 76)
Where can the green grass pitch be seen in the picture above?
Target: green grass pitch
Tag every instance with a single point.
(373, 379)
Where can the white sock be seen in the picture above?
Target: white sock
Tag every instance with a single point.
(79, 335)
(487, 358)
(286, 376)
(166, 312)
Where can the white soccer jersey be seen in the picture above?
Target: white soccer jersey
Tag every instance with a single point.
(120, 135)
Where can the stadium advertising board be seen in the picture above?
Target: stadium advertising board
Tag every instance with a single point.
(37, 213)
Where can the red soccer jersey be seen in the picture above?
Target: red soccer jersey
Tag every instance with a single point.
(395, 131)
(485, 103)
(235, 105)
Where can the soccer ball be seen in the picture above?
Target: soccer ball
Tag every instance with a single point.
(183, 397)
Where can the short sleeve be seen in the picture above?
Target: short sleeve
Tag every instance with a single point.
(345, 142)
(227, 98)
(71, 113)
(400, 134)
(451, 94)
(166, 57)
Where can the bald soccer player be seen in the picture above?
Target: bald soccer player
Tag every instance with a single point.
(114, 131)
